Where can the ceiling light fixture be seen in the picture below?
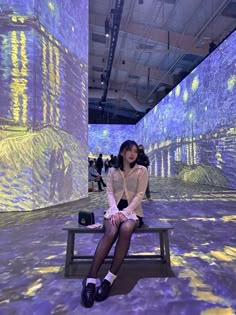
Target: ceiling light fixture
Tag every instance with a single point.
(107, 27)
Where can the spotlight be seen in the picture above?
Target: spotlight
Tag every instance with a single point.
(107, 27)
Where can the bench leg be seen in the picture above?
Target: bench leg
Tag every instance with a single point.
(69, 252)
(167, 248)
(162, 246)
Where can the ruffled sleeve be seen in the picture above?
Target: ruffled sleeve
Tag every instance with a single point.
(110, 196)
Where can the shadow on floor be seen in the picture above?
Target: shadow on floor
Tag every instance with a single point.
(129, 275)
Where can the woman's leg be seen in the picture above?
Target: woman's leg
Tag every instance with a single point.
(122, 245)
(102, 182)
(99, 185)
(103, 248)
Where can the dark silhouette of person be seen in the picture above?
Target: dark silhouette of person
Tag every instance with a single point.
(56, 168)
(99, 164)
(68, 180)
(111, 161)
(106, 165)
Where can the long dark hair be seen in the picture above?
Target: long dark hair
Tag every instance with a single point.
(128, 144)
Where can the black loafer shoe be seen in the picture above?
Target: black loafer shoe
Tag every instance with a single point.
(88, 294)
(103, 291)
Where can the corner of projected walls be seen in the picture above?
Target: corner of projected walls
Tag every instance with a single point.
(43, 113)
(191, 133)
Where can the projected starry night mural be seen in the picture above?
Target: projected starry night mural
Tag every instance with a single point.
(106, 139)
(43, 113)
(191, 133)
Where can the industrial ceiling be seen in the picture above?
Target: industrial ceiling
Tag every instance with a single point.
(150, 47)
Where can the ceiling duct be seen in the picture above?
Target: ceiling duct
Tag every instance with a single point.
(117, 14)
(140, 107)
(115, 111)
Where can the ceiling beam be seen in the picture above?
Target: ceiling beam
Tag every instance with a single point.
(114, 32)
(161, 36)
(139, 70)
(142, 71)
(219, 9)
(155, 34)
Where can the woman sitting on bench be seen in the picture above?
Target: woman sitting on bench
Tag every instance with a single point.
(126, 186)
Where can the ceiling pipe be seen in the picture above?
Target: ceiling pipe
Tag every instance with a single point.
(171, 49)
(117, 14)
(214, 14)
(115, 112)
(114, 94)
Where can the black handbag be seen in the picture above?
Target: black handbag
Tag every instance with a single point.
(86, 218)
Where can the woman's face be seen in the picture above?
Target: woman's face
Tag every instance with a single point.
(130, 155)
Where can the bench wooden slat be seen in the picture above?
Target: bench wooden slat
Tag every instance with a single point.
(148, 227)
(131, 257)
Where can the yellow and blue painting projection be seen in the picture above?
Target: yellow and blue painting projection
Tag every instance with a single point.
(43, 103)
(106, 139)
(191, 133)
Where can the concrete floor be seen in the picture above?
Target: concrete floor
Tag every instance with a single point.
(203, 255)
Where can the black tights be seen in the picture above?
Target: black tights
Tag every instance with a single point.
(111, 233)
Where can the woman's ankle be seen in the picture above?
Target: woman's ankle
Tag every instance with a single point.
(110, 277)
(91, 280)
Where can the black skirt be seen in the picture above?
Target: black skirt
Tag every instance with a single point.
(123, 204)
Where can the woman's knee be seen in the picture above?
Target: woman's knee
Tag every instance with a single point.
(110, 231)
(127, 228)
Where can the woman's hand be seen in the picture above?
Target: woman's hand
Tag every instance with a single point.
(122, 217)
(115, 219)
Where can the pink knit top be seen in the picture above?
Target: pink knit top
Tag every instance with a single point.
(134, 185)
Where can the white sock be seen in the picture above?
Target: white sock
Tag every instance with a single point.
(110, 277)
(91, 280)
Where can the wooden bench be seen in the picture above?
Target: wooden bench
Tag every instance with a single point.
(152, 226)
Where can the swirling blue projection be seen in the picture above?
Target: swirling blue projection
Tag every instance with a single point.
(43, 113)
(191, 133)
(106, 139)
